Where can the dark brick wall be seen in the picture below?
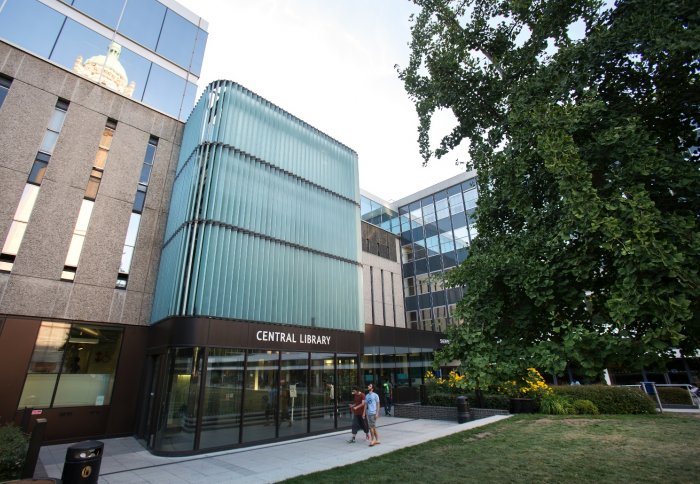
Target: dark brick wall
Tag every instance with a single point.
(442, 413)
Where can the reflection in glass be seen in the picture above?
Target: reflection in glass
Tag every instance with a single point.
(81, 358)
(223, 392)
(36, 176)
(260, 406)
(164, 90)
(178, 419)
(347, 378)
(293, 413)
(106, 70)
(31, 25)
(142, 21)
(105, 11)
(89, 364)
(177, 39)
(322, 394)
(77, 40)
(44, 366)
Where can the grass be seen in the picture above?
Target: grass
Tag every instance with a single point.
(543, 448)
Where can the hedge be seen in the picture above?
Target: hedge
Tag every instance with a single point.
(674, 395)
(608, 399)
(13, 450)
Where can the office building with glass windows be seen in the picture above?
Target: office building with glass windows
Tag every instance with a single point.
(148, 50)
(435, 227)
(200, 285)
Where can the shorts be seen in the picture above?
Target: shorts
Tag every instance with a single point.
(372, 419)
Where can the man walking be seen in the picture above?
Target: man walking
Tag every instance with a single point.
(387, 397)
(372, 402)
(357, 407)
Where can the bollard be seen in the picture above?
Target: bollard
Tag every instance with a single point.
(462, 410)
(33, 451)
(82, 464)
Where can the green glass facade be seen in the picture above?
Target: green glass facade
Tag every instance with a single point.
(249, 236)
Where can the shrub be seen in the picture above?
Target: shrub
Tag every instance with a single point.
(13, 450)
(492, 401)
(610, 400)
(553, 404)
(674, 395)
(585, 407)
(442, 400)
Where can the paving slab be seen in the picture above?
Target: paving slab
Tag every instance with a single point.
(125, 460)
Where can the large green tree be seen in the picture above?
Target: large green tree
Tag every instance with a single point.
(589, 211)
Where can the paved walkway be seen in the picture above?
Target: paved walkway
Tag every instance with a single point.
(126, 461)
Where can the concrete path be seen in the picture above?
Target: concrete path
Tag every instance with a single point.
(126, 461)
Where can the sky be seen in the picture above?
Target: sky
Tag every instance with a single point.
(331, 64)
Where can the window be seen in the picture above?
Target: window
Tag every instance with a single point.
(142, 21)
(31, 190)
(135, 221)
(409, 286)
(5, 83)
(177, 39)
(31, 25)
(72, 365)
(54, 127)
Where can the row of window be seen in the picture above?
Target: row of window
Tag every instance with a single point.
(383, 315)
(72, 365)
(436, 319)
(30, 194)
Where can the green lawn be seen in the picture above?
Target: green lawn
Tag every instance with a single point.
(542, 448)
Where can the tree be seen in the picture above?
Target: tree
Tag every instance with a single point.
(589, 208)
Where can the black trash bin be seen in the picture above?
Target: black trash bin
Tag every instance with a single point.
(462, 410)
(83, 462)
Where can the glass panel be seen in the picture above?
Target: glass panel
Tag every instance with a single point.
(223, 393)
(138, 201)
(56, 121)
(125, 264)
(133, 229)
(81, 225)
(164, 91)
(145, 174)
(101, 158)
(409, 286)
(105, 11)
(294, 389)
(92, 187)
(178, 420)
(150, 153)
(30, 25)
(470, 198)
(177, 39)
(198, 55)
(89, 364)
(76, 246)
(3, 94)
(142, 21)
(106, 140)
(322, 395)
(347, 378)
(49, 142)
(261, 396)
(45, 364)
(76, 40)
(26, 203)
(14, 238)
(38, 172)
(188, 101)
